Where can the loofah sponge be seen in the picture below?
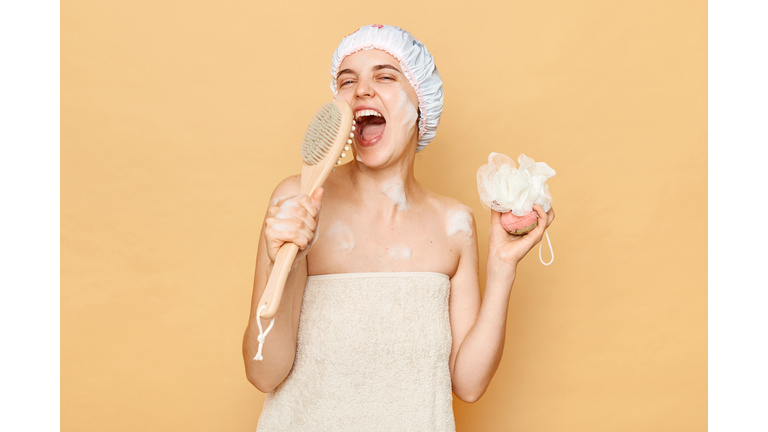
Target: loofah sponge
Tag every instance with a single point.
(514, 191)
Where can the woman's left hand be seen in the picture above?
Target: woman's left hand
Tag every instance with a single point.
(506, 250)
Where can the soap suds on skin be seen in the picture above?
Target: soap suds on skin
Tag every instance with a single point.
(408, 112)
(292, 203)
(360, 163)
(400, 252)
(458, 221)
(394, 188)
(281, 227)
(286, 205)
(395, 191)
(340, 237)
(277, 200)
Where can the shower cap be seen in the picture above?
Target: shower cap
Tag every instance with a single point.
(415, 61)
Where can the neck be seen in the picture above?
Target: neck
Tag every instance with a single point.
(389, 188)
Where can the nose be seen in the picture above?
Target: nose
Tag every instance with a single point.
(364, 89)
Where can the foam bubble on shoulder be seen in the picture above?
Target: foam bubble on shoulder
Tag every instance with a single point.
(395, 191)
(458, 220)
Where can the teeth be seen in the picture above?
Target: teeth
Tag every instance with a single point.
(363, 113)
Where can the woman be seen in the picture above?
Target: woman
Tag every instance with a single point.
(386, 283)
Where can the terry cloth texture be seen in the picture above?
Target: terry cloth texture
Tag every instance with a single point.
(372, 355)
(416, 62)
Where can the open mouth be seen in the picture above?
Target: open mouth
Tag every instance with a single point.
(370, 126)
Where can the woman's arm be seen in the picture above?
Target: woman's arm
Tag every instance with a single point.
(479, 329)
(288, 220)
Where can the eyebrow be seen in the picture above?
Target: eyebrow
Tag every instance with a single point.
(375, 68)
(386, 66)
(343, 72)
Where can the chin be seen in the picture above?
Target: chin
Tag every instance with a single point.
(373, 159)
(381, 153)
(376, 155)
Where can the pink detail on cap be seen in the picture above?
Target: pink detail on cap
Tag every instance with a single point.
(511, 223)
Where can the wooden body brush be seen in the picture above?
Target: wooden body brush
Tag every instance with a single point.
(327, 136)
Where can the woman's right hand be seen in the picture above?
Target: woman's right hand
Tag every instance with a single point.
(292, 220)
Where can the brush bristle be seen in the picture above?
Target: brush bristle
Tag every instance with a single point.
(321, 134)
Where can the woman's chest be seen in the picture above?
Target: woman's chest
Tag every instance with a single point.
(349, 242)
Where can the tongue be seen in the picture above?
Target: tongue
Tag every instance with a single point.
(373, 129)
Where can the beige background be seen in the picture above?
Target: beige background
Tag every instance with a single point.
(178, 118)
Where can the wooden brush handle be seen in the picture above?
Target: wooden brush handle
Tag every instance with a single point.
(312, 177)
(273, 292)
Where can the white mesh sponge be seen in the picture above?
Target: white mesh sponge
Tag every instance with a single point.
(417, 64)
(504, 188)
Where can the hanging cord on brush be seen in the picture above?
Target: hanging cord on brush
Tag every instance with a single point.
(262, 337)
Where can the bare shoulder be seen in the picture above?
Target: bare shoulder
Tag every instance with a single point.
(287, 188)
(447, 205)
(458, 217)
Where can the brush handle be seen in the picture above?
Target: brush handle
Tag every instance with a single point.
(312, 177)
(273, 292)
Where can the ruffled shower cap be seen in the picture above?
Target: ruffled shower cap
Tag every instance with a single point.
(415, 61)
